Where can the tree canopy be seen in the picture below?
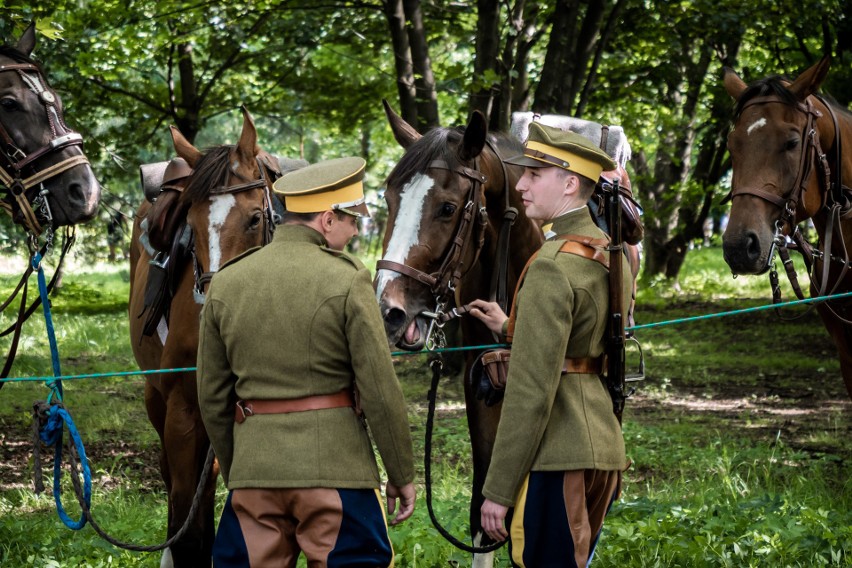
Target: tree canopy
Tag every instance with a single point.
(314, 73)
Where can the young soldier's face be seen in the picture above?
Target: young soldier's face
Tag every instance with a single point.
(544, 192)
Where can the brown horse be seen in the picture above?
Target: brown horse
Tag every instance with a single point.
(792, 161)
(47, 179)
(228, 209)
(448, 199)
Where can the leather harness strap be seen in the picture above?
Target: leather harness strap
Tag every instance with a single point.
(246, 408)
(588, 248)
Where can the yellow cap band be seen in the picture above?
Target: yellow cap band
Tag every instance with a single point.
(317, 202)
(571, 162)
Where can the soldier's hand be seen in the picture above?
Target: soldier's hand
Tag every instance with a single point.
(406, 495)
(489, 313)
(492, 519)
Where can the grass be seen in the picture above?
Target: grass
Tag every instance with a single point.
(739, 436)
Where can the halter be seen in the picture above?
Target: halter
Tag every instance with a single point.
(35, 211)
(443, 283)
(203, 278)
(834, 204)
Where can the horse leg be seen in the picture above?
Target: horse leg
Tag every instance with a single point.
(185, 446)
(842, 336)
(482, 423)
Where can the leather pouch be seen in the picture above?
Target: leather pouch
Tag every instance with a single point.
(495, 364)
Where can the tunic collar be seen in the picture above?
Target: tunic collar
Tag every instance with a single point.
(573, 221)
(290, 232)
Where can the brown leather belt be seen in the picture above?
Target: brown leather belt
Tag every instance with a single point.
(246, 408)
(584, 365)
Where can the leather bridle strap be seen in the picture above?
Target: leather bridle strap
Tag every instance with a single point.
(810, 147)
(204, 278)
(452, 268)
(16, 160)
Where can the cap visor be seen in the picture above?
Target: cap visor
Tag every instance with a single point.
(527, 162)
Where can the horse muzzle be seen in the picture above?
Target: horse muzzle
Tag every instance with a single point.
(746, 253)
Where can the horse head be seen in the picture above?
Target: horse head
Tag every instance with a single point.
(47, 178)
(228, 199)
(779, 128)
(443, 198)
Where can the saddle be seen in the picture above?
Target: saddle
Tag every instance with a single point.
(632, 230)
(168, 233)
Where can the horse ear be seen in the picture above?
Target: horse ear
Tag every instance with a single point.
(247, 146)
(184, 148)
(733, 84)
(474, 137)
(403, 132)
(808, 82)
(27, 42)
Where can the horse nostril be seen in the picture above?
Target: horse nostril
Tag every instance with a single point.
(752, 246)
(394, 319)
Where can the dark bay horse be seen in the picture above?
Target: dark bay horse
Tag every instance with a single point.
(791, 152)
(46, 178)
(226, 201)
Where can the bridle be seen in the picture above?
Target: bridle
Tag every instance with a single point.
(202, 278)
(35, 211)
(834, 204)
(469, 236)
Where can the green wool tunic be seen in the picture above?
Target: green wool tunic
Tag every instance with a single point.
(551, 421)
(291, 320)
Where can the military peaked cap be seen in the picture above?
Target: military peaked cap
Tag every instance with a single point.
(329, 185)
(547, 146)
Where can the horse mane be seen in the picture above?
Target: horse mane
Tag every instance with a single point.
(441, 144)
(211, 171)
(776, 85)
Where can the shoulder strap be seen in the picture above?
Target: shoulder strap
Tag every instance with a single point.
(586, 247)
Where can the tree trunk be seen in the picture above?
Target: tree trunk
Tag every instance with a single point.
(555, 60)
(424, 81)
(395, 15)
(485, 62)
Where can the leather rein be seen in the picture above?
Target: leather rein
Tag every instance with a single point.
(35, 211)
(202, 278)
(834, 204)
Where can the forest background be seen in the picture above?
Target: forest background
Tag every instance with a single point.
(314, 72)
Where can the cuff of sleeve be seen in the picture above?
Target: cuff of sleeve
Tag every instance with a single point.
(499, 499)
(503, 331)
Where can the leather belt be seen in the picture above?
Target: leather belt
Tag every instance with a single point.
(584, 365)
(246, 408)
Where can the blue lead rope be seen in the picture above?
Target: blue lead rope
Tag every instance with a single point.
(58, 417)
(51, 435)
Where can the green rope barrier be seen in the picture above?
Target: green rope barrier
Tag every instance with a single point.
(742, 311)
(453, 349)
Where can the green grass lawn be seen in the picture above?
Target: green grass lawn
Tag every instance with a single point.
(739, 436)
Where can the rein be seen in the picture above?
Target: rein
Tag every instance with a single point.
(835, 205)
(34, 211)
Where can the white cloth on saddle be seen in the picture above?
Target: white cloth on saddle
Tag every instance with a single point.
(617, 145)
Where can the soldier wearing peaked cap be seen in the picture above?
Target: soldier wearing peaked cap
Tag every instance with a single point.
(559, 451)
(290, 334)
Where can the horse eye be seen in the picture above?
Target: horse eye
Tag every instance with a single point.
(254, 223)
(791, 144)
(447, 210)
(9, 104)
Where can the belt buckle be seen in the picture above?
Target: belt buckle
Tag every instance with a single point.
(244, 411)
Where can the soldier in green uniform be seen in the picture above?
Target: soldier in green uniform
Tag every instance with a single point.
(559, 452)
(291, 337)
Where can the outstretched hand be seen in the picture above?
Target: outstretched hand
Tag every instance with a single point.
(406, 495)
(489, 313)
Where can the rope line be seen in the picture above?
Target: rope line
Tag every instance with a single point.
(444, 349)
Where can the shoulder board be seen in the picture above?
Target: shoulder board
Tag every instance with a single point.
(344, 255)
(239, 257)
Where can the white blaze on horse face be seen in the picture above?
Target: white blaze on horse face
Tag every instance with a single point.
(220, 207)
(759, 123)
(406, 227)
